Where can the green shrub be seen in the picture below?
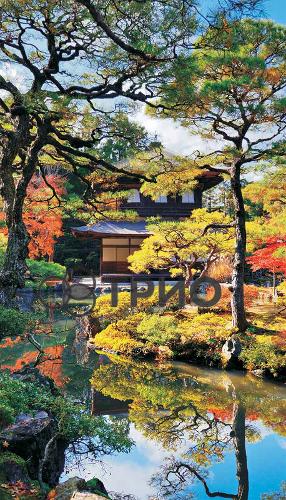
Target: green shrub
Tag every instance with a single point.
(147, 332)
(6, 415)
(74, 423)
(107, 313)
(41, 268)
(2, 257)
(14, 322)
(282, 288)
(159, 330)
(121, 335)
(206, 328)
(263, 356)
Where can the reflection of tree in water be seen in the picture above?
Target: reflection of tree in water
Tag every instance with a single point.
(281, 495)
(215, 412)
(177, 474)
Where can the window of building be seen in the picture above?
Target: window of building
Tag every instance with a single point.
(109, 254)
(134, 197)
(118, 249)
(122, 254)
(188, 197)
(161, 199)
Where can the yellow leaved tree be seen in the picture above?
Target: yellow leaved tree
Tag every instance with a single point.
(184, 246)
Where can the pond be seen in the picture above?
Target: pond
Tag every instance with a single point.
(196, 433)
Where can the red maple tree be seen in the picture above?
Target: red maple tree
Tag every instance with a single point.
(42, 215)
(271, 257)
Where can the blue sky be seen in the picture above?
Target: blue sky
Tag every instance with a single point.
(276, 9)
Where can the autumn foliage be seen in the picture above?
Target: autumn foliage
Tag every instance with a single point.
(51, 365)
(221, 270)
(271, 257)
(42, 215)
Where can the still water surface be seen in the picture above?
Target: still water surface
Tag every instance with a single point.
(196, 432)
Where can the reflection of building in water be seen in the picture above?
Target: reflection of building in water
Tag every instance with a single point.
(105, 405)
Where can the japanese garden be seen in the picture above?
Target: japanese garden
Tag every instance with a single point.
(142, 249)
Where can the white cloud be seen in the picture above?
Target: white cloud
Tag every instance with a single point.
(282, 443)
(13, 74)
(126, 473)
(175, 138)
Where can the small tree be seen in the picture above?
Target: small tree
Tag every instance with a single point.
(42, 215)
(268, 195)
(183, 246)
(271, 257)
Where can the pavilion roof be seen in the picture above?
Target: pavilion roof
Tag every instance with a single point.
(112, 228)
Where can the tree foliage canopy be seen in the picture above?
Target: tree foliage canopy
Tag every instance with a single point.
(180, 246)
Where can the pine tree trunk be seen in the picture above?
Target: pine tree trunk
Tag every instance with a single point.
(14, 191)
(12, 275)
(237, 302)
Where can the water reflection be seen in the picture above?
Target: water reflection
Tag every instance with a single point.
(199, 416)
(197, 433)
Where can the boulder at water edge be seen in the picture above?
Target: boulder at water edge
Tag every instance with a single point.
(76, 488)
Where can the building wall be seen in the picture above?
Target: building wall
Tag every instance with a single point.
(174, 208)
(115, 252)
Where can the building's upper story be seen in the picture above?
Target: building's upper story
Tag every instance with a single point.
(171, 207)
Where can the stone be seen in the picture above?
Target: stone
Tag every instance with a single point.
(13, 468)
(23, 417)
(65, 491)
(28, 438)
(55, 464)
(260, 373)
(76, 488)
(26, 431)
(41, 414)
(231, 348)
(164, 352)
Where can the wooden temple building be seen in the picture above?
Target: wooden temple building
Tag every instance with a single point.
(119, 239)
